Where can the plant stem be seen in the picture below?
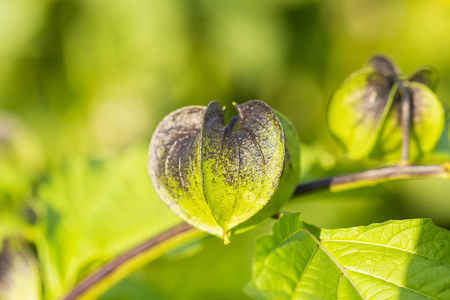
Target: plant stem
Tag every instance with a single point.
(112, 272)
(92, 286)
(406, 111)
(373, 177)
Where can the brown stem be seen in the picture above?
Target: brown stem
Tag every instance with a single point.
(335, 183)
(406, 111)
(373, 177)
(110, 267)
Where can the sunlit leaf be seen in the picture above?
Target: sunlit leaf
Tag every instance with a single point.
(407, 259)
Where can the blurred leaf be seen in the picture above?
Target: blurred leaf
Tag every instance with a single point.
(91, 213)
(21, 158)
(19, 272)
(132, 289)
(20, 20)
(218, 272)
(21, 165)
(422, 198)
(407, 259)
(91, 77)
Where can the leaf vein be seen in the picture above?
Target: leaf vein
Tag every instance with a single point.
(304, 270)
(383, 246)
(339, 284)
(333, 259)
(396, 284)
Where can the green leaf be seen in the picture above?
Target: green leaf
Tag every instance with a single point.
(91, 213)
(21, 164)
(407, 259)
(215, 176)
(216, 273)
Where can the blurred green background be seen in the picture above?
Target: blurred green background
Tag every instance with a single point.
(83, 84)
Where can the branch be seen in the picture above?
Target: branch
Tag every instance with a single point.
(405, 115)
(117, 269)
(373, 177)
(91, 286)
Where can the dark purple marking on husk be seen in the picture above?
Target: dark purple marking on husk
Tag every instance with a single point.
(426, 76)
(383, 66)
(238, 154)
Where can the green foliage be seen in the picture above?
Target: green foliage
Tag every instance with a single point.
(215, 176)
(91, 212)
(407, 259)
(364, 113)
(216, 272)
(84, 79)
(21, 161)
